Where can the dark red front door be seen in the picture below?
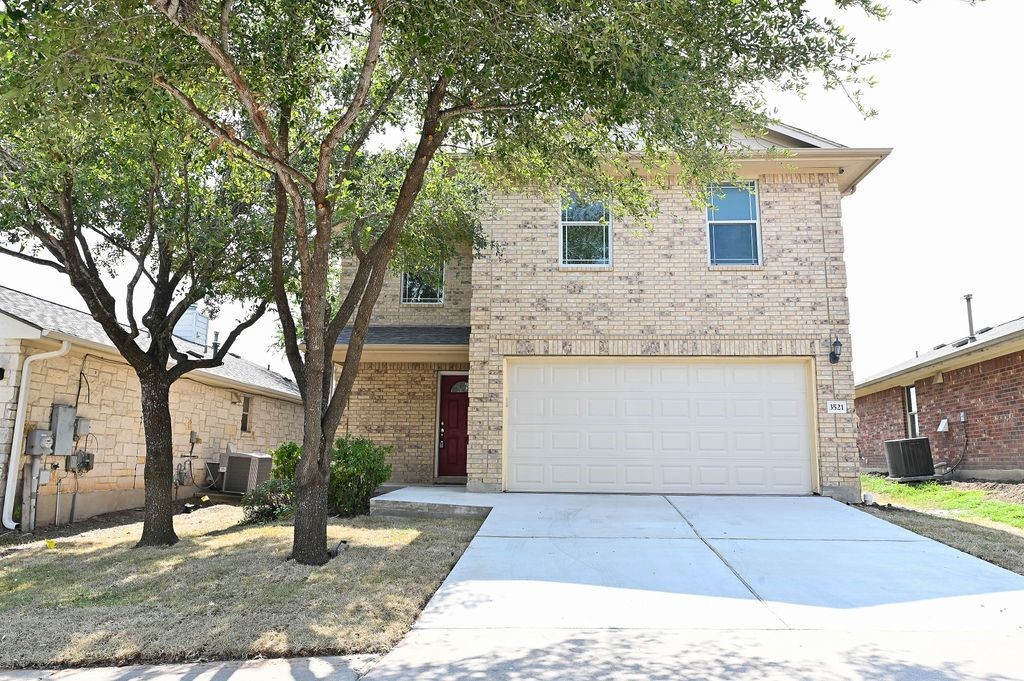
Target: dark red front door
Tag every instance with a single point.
(451, 431)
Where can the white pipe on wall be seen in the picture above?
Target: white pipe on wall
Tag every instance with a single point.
(18, 443)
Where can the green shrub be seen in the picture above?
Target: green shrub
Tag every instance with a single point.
(358, 467)
(286, 459)
(270, 500)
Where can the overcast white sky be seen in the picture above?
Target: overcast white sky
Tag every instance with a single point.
(928, 225)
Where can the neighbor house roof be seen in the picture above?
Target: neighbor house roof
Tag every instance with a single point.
(990, 342)
(409, 343)
(61, 322)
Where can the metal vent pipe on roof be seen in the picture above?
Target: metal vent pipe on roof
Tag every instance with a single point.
(970, 319)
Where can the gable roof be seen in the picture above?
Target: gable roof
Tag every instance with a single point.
(66, 323)
(990, 342)
(790, 137)
(785, 148)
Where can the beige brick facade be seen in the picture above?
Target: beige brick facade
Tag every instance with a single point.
(661, 297)
(396, 404)
(454, 311)
(109, 396)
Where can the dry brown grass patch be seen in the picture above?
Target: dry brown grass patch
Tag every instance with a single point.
(1002, 545)
(224, 591)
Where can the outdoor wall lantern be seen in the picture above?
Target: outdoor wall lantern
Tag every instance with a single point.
(837, 350)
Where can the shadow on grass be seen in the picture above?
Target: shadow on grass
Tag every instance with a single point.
(223, 593)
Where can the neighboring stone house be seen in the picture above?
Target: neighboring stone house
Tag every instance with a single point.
(975, 385)
(239, 404)
(593, 356)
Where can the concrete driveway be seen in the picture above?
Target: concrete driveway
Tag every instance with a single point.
(561, 586)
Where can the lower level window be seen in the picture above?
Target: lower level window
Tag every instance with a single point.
(423, 287)
(246, 414)
(913, 425)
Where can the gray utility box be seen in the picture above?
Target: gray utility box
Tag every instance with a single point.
(62, 423)
(39, 443)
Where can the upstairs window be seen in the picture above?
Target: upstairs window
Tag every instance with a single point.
(733, 225)
(913, 425)
(585, 233)
(423, 288)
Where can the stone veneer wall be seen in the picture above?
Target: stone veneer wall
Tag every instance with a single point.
(110, 398)
(660, 297)
(396, 404)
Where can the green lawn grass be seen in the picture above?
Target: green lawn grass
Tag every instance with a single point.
(935, 496)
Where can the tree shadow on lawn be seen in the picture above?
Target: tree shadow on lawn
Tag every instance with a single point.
(124, 518)
(228, 593)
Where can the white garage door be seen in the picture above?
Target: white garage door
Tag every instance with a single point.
(668, 426)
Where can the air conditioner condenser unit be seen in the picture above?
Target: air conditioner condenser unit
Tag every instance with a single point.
(245, 471)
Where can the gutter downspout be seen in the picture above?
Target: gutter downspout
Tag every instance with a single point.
(18, 443)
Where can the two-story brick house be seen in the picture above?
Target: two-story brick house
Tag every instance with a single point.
(593, 356)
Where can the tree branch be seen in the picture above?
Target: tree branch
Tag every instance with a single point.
(225, 25)
(187, 365)
(355, 107)
(177, 12)
(33, 259)
(472, 108)
(367, 127)
(432, 135)
(277, 274)
(230, 136)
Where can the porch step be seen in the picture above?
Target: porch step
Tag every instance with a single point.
(419, 509)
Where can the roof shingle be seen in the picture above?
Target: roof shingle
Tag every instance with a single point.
(411, 335)
(50, 316)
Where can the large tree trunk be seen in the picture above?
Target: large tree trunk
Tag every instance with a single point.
(309, 543)
(158, 524)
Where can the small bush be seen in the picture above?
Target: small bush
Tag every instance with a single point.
(268, 501)
(358, 467)
(286, 460)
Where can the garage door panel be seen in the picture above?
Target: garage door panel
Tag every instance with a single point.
(602, 407)
(675, 441)
(658, 426)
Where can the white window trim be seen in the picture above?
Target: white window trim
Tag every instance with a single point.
(757, 229)
(909, 416)
(401, 292)
(246, 415)
(589, 223)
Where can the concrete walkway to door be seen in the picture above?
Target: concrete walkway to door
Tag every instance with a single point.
(558, 586)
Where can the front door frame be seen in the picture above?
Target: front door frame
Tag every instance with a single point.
(437, 415)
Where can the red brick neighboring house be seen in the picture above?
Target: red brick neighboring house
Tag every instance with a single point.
(982, 378)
